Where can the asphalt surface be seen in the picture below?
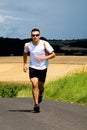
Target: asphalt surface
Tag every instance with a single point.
(18, 114)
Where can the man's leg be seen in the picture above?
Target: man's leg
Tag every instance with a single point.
(41, 91)
(41, 88)
(42, 77)
(34, 82)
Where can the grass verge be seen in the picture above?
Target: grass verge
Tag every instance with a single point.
(71, 88)
(68, 89)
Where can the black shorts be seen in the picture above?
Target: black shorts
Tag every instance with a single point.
(40, 74)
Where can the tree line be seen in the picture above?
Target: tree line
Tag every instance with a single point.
(15, 46)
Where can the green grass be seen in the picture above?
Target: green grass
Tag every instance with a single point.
(14, 89)
(67, 89)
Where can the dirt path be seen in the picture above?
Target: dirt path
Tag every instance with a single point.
(11, 68)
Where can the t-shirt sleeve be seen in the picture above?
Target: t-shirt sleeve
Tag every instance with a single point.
(26, 47)
(49, 48)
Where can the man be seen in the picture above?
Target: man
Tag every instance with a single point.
(40, 51)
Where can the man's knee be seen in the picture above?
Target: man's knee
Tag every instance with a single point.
(34, 82)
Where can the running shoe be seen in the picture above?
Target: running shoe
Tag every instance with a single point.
(37, 108)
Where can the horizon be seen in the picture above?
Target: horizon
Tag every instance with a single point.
(42, 37)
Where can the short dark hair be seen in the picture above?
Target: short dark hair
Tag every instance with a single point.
(35, 29)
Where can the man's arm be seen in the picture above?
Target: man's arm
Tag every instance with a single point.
(47, 57)
(50, 56)
(25, 62)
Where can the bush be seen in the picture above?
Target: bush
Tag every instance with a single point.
(11, 89)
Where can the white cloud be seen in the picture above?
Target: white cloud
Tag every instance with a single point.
(6, 18)
(2, 19)
(12, 18)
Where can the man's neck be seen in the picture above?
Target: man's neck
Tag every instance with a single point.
(36, 42)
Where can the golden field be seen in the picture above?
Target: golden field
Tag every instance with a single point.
(11, 67)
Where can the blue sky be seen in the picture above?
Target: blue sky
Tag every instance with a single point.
(56, 19)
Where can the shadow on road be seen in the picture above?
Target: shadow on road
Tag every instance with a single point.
(21, 111)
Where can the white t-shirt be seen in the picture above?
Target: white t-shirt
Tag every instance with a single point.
(38, 50)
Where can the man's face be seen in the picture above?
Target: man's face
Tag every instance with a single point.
(35, 36)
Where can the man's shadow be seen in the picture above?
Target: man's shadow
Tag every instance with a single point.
(31, 111)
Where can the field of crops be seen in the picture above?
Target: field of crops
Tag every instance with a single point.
(11, 68)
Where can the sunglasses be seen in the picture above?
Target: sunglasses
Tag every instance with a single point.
(33, 35)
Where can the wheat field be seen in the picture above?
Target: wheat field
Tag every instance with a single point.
(11, 67)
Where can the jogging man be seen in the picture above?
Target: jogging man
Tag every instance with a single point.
(40, 52)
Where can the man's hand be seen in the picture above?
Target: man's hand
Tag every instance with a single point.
(50, 56)
(40, 58)
(25, 68)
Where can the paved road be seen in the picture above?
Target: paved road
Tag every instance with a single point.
(17, 114)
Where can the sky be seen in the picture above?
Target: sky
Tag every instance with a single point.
(56, 19)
